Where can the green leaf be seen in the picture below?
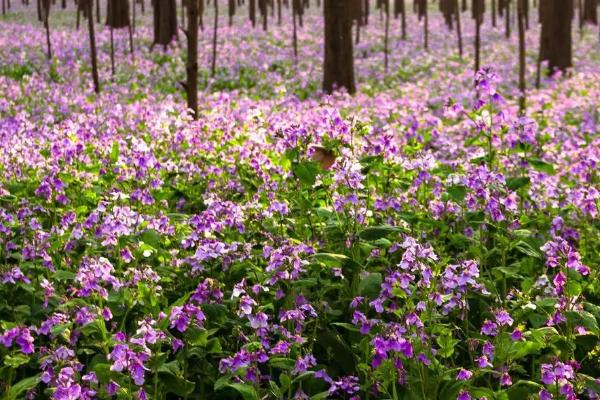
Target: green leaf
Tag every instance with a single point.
(196, 337)
(447, 344)
(16, 361)
(542, 166)
(320, 396)
(527, 249)
(248, 392)
(62, 275)
(370, 286)
(281, 362)
(306, 171)
(457, 193)
(582, 318)
(517, 183)
(20, 387)
(378, 232)
(114, 152)
(177, 385)
(335, 260)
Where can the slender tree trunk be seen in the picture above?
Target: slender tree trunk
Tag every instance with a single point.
(213, 67)
(112, 52)
(477, 42)
(92, 33)
(386, 4)
(294, 35)
(252, 12)
(521, 27)
(78, 16)
(279, 12)
(133, 16)
(556, 45)
(130, 29)
(98, 11)
(339, 58)
(458, 29)
(192, 59)
(507, 16)
(403, 20)
(46, 6)
(426, 25)
(494, 13)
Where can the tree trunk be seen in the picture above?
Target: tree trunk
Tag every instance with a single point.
(252, 12)
(386, 50)
(90, 9)
(262, 7)
(231, 11)
(165, 21)
(494, 13)
(112, 52)
(339, 57)
(213, 67)
(507, 18)
(46, 9)
(426, 24)
(590, 11)
(192, 59)
(458, 29)
(294, 35)
(117, 13)
(478, 17)
(279, 12)
(556, 43)
(521, 27)
(403, 21)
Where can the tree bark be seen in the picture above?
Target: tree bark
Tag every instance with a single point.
(386, 50)
(252, 12)
(339, 57)
(165, 21)
(46, 9)
(458, 29)
(192, 59)
(590, 11)
(521, 28)
(213, 67)
(92, 34)
(556, 40)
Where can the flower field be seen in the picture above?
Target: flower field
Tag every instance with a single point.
(420, 239)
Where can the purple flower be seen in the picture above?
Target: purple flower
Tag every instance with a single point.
(489, 328)
(464, 375)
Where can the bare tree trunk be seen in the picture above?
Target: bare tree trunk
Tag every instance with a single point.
(458, 28)
(556, 45)
(213, 67)
(252, 12)
(507, 16)
(403, 19)
(231, 11)
(386, 4)
(192, 59)
(92, 33)
(477, 42)
(46, 7)
(521, 27)
(494, 13)
(294, 35)
(279, 12)
(426, 26)
(112, 52)
(98, 11)
(339, 57)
